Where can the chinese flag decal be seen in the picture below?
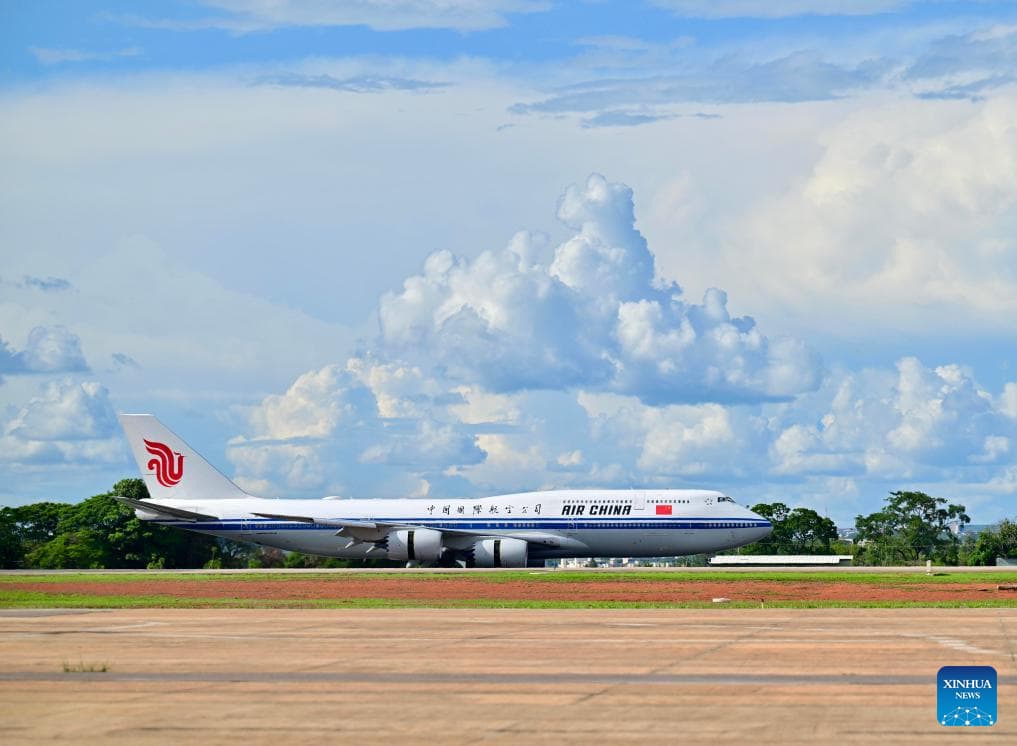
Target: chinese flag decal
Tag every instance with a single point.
(663, 510)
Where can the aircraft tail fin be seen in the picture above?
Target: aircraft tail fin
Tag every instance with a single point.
(170, 467)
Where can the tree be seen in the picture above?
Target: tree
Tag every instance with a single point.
(912, 527)
(797, 531)
(27, 527)
(998, 542)
(12, 552)
(102, 532)
(75, 549)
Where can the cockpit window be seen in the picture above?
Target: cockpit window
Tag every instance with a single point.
(724, 499)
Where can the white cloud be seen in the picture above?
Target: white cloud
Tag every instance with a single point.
(909, 213)
(966, 66)
(919, 422)
(65, 411)
(317, 404)
(53, 349)
(779, 8)
(177, 324)
(284, 170)
(570, 459)
(49, 349)
(60, 56)
(995, 447)
(591, 314)
(479, 407)
(345, 427)
(1008, 401)
(67, 422)
(631, 100)
(546, 365)
(399, 390)
(800, 449)
(507, 460)
(245, 16)
(271, 469)
(429, 446)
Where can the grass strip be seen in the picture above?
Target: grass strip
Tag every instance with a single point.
(939, 577)
(41, 600)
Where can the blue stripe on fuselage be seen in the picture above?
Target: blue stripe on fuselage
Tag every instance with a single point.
(605, 522)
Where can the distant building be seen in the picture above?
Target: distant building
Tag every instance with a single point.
(574, 562)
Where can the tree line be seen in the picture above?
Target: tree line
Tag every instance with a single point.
(101, 532)
(911, 528)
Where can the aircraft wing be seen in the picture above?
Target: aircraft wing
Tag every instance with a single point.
(179, 514)
(331, 522)
(372, 530)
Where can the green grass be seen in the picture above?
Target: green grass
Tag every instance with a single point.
(14, 595)
(917, 576)
(41, 600)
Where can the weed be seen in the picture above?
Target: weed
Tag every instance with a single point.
(82, 667)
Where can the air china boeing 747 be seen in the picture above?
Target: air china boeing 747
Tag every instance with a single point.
(516, 530)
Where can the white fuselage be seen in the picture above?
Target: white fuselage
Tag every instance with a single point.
(560, 523)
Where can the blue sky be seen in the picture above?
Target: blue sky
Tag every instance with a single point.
(464, 247)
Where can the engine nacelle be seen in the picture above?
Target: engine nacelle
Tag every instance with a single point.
(500, 553)
(415, 544)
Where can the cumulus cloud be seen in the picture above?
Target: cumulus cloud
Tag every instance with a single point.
(65, 411)
(473, 354)
(918, 422)
(362, 425)
(49, 349)
(574, 364)
(909, 211)
(67, 422)
(315, 406)
(588, 313)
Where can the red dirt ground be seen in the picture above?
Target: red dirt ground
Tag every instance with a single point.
(466, 588)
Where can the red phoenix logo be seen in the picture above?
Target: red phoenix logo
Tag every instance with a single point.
(168, 471)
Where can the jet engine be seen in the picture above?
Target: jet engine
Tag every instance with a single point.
(415, 544)
(500, 553)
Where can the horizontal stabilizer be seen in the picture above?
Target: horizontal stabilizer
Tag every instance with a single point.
(180, 514)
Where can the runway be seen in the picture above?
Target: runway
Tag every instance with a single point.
(457, 676)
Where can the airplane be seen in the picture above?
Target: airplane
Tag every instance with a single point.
(514, 530)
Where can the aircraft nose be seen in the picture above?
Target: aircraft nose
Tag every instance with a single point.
(761, 527)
